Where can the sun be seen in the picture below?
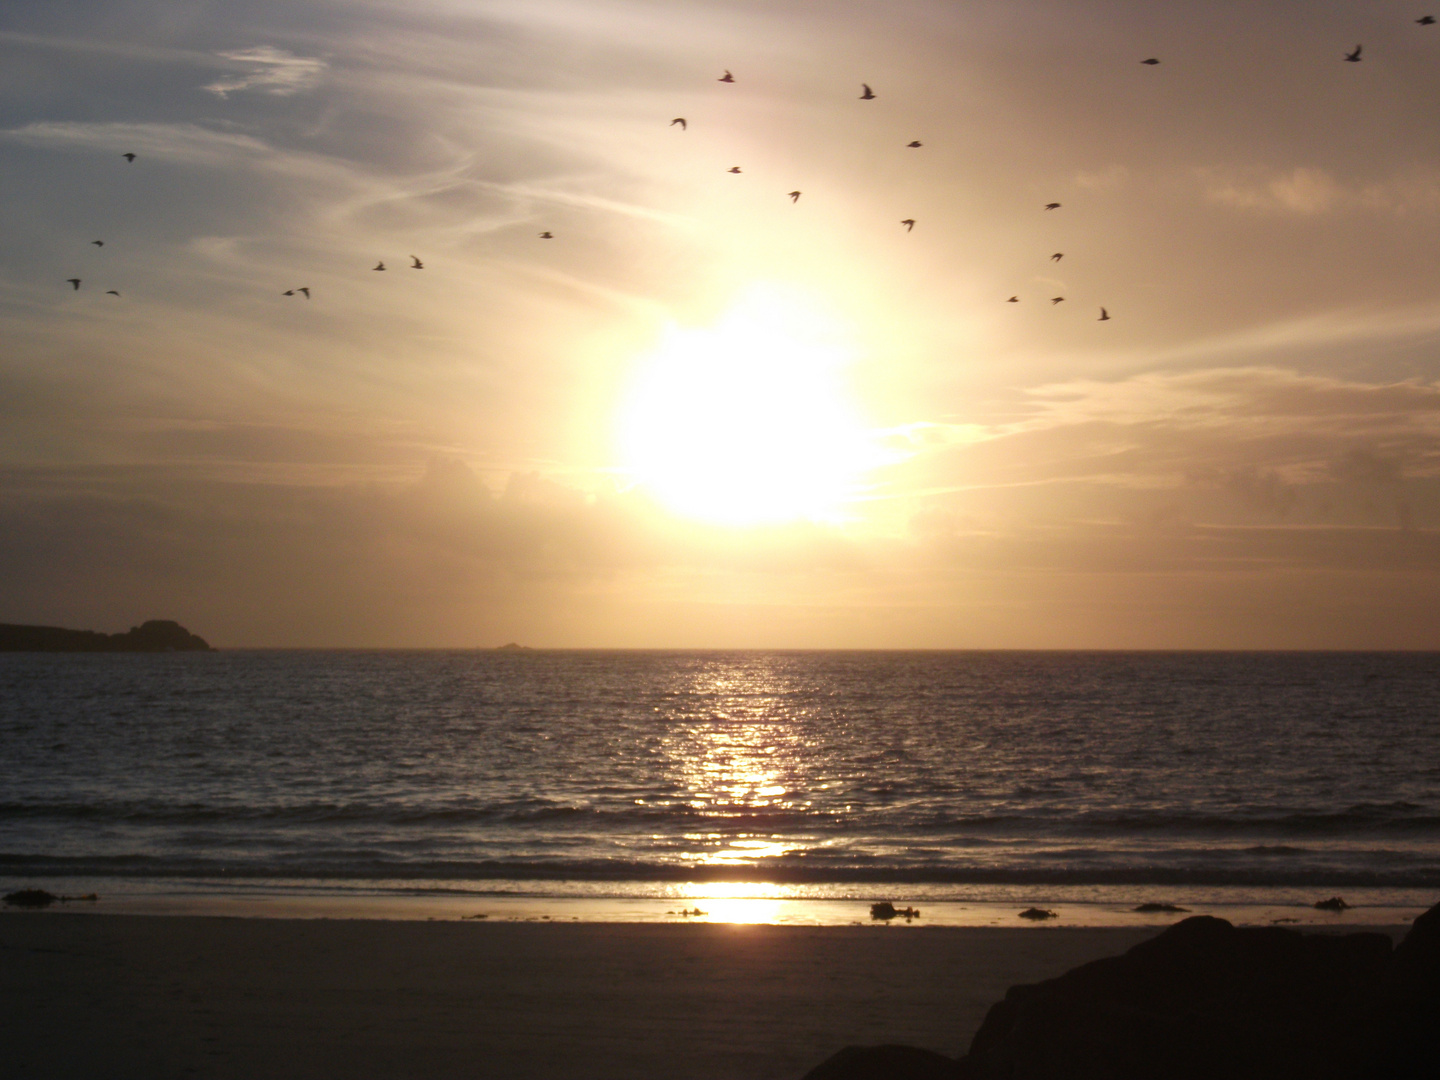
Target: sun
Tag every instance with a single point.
(749, 421)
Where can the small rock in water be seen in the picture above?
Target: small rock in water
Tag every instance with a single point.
(1038, 914)
(1161, 907)
(1333, 904)
(36, 898)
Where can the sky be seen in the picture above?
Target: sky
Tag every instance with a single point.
(703, 413)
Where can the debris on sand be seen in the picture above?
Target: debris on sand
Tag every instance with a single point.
(886, 911)
(42, 898)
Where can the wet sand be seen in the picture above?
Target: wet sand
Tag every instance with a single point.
(135, 996)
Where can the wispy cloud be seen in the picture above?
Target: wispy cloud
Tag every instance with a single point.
(268, 70)
(1307, 191)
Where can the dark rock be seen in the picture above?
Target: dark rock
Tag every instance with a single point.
(1172, 908)
(1036, 914)
(36, 898)
(1407, 1026)
(1333, 904)
(1201, 1000)
(1204, 1001)
(157, 635)
(886, 910)
(891, 1062)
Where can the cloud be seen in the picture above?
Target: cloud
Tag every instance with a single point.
(1307, 191)
(268, 70)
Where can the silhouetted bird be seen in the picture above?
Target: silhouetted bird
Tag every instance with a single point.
(129, 157)
(1013, 300)
(1056, 299)
(416, 264)
(727, 77)
(868, 95)
(547, 236)
(1152, 61)
(914, 145)
(909, 224)
(733, 168)
(1052, 206)
(1057, 256)
(1354, 57)
(1104, 316)
(794, 196)
(681, 121)
(75, 281)
(111, 292)
(292, 292)
(1426, 20)
(98, 243)
(378, 266)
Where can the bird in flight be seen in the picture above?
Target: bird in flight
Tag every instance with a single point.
(129, 157)
(1013, 300)
(301, 289)
(915, 145)
(378, 266)
(681, 121)
(98, 243)
(868, 95)
(909, 224)
(1056, 299)
(794, 196)
(547, 236)
(1152, 61)
(1104, 316)
(416, 264)
(111, 292)
(1354, 57)
(75, 281)
(1426, 20)
(727, 77)
(733, 168)
(1057, 256)
(1052, 206)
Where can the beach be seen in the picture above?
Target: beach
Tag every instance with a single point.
(137, 996)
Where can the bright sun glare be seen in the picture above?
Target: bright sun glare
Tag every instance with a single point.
(749, 421)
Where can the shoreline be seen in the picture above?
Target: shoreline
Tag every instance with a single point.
(697, 904)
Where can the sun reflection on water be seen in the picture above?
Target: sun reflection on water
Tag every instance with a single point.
(737, 765)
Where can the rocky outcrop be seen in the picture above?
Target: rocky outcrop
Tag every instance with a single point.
(1206, 999)
(157, 635)
(884, 1063)
(1202, 1000)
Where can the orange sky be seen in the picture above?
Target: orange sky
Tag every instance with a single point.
(703, 414)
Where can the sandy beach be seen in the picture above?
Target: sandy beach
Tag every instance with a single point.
(155, 997)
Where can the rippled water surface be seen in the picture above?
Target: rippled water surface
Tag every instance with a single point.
(968, 768)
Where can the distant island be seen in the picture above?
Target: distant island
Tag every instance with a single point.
(512, 647)
(157, 635)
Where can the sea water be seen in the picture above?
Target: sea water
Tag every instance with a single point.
(835, 777)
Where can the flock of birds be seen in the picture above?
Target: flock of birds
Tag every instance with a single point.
(1354, 56)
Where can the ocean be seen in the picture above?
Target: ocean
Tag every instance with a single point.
(961, 779)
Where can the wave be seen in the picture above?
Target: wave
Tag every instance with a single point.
(15, 865)
(1399, 818)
